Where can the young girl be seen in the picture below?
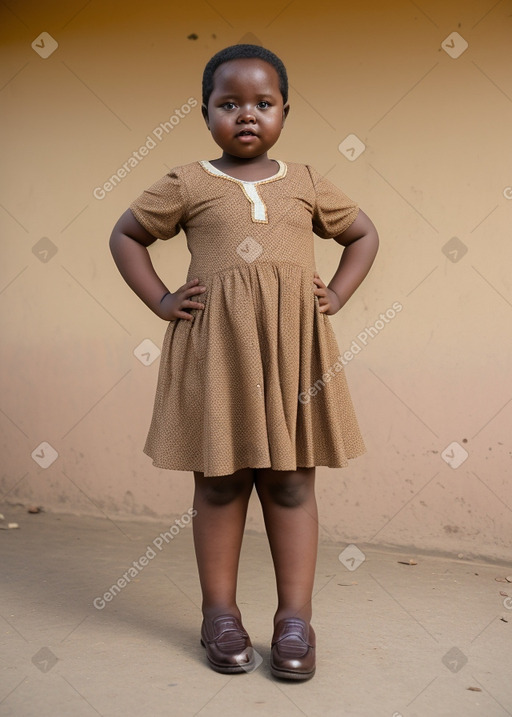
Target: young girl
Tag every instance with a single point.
(251, 393)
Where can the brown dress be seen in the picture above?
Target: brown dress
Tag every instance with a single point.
(255, 379)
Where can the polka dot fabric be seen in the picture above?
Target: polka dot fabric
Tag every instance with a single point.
(254, 380)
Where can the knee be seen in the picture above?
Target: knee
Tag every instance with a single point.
(222, 491)
(289, 492)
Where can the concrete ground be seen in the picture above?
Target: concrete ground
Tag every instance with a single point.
(394, 639)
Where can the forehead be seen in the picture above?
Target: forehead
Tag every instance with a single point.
(246, 73)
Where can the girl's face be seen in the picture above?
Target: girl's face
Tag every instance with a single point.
(245, 111)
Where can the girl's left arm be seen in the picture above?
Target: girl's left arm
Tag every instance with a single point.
(361, 242)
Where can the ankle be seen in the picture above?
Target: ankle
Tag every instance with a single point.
(283, 613)
(214, 610)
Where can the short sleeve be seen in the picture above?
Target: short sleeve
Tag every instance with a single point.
(333, 211)
(161, 209)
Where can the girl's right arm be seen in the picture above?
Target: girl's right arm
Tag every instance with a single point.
(128, 244)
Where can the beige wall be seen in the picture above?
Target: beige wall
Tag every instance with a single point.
(437, 165)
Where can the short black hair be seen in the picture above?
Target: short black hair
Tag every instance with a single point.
(239, 52)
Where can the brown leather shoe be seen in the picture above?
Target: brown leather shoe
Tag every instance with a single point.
(228, 646)
(293, 650)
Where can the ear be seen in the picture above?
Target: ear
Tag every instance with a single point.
(204, 110)
(286, 109)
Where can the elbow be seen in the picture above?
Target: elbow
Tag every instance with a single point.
(113, 242)
(376, 240)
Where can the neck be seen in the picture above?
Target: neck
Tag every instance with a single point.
(233, 161)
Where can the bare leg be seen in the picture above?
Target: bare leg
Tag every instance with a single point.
(221, 504)
(291, 519)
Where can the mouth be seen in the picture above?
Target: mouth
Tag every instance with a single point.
(246, 133)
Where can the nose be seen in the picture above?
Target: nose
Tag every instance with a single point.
(246, 114)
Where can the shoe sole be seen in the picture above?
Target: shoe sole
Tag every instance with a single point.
(229, 669)
(291, 675)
